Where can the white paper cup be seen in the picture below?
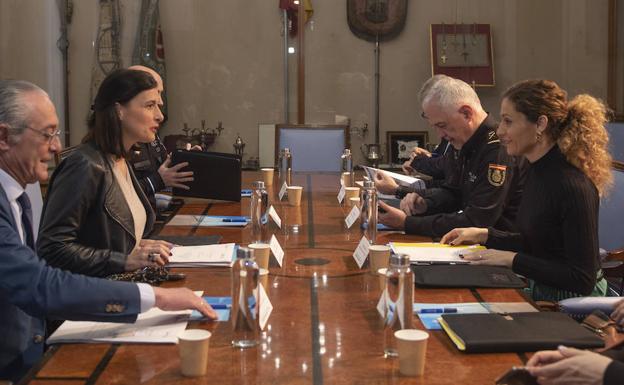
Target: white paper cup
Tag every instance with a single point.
(193, 344)
(412, 348)
(352, 192)
(294, 195)
(261, 252)
(267, 176)
(379, 256)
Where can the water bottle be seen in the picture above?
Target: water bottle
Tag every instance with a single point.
(258, 213)
(347, 166)
(245, 305)
(285, 166)
(399, 299)
(368, 215)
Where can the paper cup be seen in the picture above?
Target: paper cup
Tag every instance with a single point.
(264, 278)
(352, 192)
(379, 256)
(412, 348)
(346, 179)
(294, 195)
(194, 345)
(261, 252)
(267, 176)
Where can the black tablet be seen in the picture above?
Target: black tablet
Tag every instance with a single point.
(216, 175)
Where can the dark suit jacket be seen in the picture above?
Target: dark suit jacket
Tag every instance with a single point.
(30, 290)
(86, 224)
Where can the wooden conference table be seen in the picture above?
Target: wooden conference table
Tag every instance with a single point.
(324, 328)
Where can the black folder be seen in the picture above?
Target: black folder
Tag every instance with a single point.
(216, 175)
(465, 276)
(517, 332)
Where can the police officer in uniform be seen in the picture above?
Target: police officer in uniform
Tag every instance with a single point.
(482, 184)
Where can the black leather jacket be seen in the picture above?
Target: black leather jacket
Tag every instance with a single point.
(86, 224)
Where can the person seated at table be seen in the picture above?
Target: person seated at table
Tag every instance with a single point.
(580, 367)
(95, 215)
(565, 143)
(151, 163)
(30, 290)
(482, 184)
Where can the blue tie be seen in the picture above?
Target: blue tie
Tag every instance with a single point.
(24, 202)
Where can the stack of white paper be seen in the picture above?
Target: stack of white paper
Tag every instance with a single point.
(152, 327)
(429, 252)
(203, 256)
(404, 180)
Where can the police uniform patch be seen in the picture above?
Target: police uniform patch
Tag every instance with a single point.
(496, 174)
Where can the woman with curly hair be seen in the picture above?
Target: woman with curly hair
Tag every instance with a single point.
(565, 143)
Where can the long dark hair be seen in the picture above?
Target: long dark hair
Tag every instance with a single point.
(120, 86)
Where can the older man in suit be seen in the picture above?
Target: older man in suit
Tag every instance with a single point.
(29, 289)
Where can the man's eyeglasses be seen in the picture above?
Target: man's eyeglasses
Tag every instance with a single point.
(50, 136)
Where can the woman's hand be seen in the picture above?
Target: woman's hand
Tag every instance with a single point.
(413, 204)
(149, 252)
(465, 235)
(491, 257)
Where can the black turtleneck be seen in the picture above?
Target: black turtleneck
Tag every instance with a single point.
(558, 224)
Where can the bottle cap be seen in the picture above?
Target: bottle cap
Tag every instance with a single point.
(369, 184)
(401, 260)
(243, 253)
(259, 184)
(346, 152)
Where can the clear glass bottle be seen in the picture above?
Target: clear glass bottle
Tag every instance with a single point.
(285, 166)
(258, 213)
(347, 166)
(368, 215)
(245, 306)
(399, 300)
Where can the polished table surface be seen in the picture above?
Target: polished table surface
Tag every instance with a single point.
(324, 328)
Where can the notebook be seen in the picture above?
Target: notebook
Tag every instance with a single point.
(518, 332)
(465, 276)
(215, 175)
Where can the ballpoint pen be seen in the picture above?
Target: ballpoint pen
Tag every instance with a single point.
(220, 306)
(438, 310)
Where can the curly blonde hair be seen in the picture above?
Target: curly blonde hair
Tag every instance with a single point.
(577, 126)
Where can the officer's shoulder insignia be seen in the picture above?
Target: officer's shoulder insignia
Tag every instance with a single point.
(492, 137)
(496, 174)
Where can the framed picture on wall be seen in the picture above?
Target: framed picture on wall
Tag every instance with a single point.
(400, 144)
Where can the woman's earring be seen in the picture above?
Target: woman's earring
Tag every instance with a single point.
(538, 136)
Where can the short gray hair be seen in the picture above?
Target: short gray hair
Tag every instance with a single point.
(13, 111)
(449, 93)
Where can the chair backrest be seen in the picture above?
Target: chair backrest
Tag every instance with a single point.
(611, 216)
(314, 148)
(616, 140)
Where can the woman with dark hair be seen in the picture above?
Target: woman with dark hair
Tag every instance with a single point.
(95, 215)
(565, 143)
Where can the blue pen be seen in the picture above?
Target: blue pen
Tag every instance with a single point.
(220, 306)
(233, 220)
(438, 310)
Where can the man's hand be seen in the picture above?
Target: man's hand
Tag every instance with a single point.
(618, 313)
(568, 366)
(385, 184)
(394, 218)
(172, 176)
(417, 152)
(182, 298)
(413, 204)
